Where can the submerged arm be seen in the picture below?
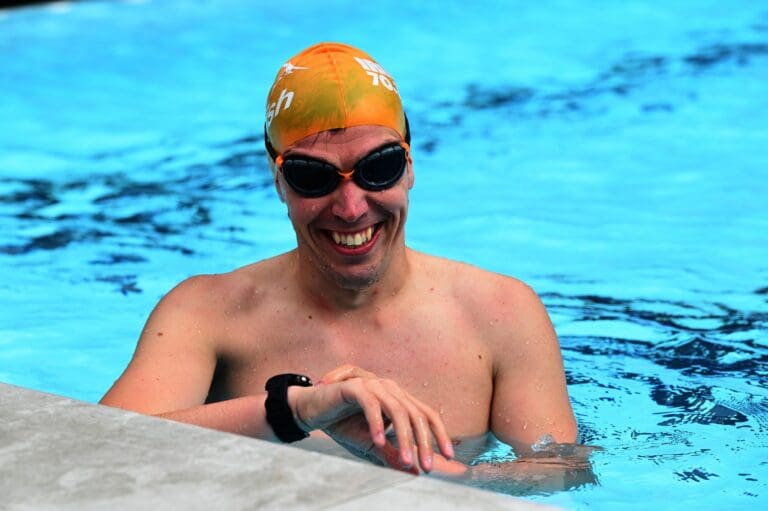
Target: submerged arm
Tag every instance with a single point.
(551, 467)
(530, 410)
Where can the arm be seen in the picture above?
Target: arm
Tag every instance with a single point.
(548, 466)
(530, 410)
(557, 465)
(530, 398)
(173, 366)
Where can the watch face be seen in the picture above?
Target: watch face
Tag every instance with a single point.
(288, 380)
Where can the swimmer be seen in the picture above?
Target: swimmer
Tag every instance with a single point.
(352, 333)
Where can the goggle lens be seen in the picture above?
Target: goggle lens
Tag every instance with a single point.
(379, 170)
(310, 178)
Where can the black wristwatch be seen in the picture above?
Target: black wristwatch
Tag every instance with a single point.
(279, 414)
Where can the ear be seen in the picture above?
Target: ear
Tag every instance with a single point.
(409, 174)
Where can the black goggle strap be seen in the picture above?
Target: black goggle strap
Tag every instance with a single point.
(407, 131)
(268, 145)
(273, 153)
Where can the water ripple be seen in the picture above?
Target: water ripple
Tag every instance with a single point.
(630, 79)
(158, 199)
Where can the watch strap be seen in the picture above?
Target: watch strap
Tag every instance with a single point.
(279, 414)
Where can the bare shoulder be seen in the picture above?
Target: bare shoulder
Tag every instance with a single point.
(506, 312)
(197, 313)
(485, 293)
(211, 295)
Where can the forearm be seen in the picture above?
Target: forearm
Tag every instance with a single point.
(243, 416)
(521, 475)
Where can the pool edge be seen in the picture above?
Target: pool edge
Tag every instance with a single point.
(57, 452)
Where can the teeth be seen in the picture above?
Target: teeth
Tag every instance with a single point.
(352, 239)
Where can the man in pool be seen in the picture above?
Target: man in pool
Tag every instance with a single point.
(435, 350)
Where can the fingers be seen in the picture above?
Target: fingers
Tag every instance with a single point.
(425, 423)
(413, 421)
(382, 401)
(345, 372)
(391, 458)
(437, 428)
(371, 407)
(409, 424)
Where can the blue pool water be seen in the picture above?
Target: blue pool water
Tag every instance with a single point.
(612, 154)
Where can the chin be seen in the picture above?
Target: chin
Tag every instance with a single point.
(356, 281)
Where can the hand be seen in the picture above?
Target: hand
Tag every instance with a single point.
(355, 407)
(353, 435)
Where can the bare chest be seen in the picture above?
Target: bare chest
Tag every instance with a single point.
(438, 358)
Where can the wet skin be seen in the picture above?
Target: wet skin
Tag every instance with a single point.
(347, 210)
(448, 349)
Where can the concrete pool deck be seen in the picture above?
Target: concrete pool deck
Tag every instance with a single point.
(58, 453)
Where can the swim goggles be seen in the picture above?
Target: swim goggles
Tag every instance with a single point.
(378, 170)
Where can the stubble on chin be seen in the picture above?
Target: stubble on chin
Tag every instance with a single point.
(356, 282)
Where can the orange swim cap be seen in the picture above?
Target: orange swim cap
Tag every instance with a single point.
(330, 86)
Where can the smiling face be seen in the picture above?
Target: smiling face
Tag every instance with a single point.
(351, 237)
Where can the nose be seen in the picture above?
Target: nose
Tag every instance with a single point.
(349, 202)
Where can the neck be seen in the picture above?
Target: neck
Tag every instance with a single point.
(333, 292)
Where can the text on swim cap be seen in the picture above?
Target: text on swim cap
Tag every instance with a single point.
(283, 103)
(377, 73)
